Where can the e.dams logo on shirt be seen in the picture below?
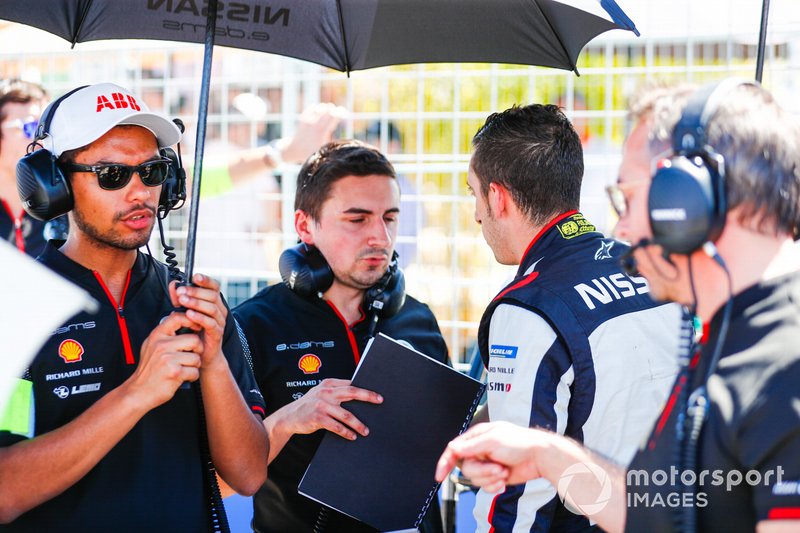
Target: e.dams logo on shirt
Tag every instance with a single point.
(309, 364)
(70, 351)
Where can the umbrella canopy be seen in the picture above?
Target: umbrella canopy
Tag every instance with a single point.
(341, 34)
(346, 34)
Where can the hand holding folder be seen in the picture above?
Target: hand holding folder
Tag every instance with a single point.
(386, 479)
(326, 407)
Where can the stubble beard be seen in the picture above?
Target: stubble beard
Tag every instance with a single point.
(111, 238)
(362, 280)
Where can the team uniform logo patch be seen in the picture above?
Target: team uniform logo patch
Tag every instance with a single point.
(604, 252)
(575, 226)
(117, 101)
(70, 351)
(309, 364)
(505, 352)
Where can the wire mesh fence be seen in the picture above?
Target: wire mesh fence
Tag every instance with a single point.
(422, 116)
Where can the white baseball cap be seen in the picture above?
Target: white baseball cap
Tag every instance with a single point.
(89, 113)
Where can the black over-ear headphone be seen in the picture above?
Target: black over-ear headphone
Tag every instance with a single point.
(687, 203)
(306, 272)
(45, 191)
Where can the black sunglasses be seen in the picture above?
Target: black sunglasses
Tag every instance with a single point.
(114, 176)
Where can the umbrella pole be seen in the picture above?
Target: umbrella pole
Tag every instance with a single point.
(202, 118)
(216, 509)
(762, 40)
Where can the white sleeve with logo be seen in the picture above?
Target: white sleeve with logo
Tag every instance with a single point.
(519, 340)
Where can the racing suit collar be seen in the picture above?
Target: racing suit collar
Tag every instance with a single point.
(527, 256)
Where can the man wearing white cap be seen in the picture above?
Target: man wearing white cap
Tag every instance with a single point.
(101, 434)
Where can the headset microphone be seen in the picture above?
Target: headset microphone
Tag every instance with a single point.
(627, 260)
(711, 251)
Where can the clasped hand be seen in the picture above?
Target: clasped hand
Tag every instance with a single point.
(168, 359)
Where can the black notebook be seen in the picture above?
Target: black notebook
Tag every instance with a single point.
(386, 478)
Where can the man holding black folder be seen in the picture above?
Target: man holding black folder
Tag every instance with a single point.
(572, 344)
(342, 286)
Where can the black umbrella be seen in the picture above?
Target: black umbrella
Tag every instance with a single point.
(345, 35)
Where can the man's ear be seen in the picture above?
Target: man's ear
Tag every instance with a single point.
(498, 198)
(303, 225)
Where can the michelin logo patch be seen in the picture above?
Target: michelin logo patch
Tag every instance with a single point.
(506, 352)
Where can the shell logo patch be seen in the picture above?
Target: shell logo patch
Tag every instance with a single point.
(70, 351)
(309, 364)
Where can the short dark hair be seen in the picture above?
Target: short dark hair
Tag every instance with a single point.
(16, 91)
(536, 154)
(331, 163)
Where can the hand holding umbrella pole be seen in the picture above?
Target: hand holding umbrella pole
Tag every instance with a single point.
(202, 119)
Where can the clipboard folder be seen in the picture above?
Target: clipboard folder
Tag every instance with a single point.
(386, 478)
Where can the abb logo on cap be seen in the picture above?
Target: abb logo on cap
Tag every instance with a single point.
(117, 101)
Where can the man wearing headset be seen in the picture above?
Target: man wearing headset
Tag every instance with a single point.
(104, 432)
(21, 103)
(737, 396)
(308, 333)
(572, 344)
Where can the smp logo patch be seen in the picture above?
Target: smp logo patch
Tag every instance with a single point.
(498, 386)
(505, 352)
(309, 364)
(70, 351)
